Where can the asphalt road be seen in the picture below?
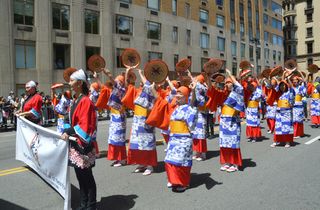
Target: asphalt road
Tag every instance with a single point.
(272, 178)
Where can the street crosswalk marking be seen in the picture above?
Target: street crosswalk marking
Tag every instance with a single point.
(312, 140)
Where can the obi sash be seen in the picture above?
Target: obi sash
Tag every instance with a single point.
(178, 127)
(298, 98)
(283, 104)
(140, 111)
(253, 104)
(228, 111)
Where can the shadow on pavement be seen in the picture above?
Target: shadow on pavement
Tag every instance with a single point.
(119, 202)
(200, 179)
(8, 205)
(212, 154)
(247, 163)
(160, 168)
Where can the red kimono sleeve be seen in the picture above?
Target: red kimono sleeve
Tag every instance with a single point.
(130, 96)
(103, 98)
(160, 114)
(310, 88)
(216, 98)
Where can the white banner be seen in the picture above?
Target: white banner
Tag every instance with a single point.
(44, 151)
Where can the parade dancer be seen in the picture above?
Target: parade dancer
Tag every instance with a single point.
(199, 133)
(284, 120)
(272, 96)
(183, 119)
(298, 109)
(82, 126)
(117, 128)
(315, 103)
(62, 109)
(230, 127)
(142, 143)
(253, 129)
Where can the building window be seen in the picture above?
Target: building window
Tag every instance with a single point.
(258, 53)
(233, 26)
(220, 21)
(154, 55)
(93, 2)
(266, 36)
(234, 68)
(309, 32)
(175, 59)
(187, 10)
(203, 61)
(241, 28)
(266, 53)
(219, 2)
(234, 48)
(243, 50)
(309, 17)
(251, 52)
(232, 10)
(91, 51)
(188, 37)
(153, 4)
(154, 30)
(265, 4)
(61, 56)
(274, 55)
(277, 24)
(279, 56)
(174, 7)
(309, 3)
(23, 12)
(249, 11)
(25, 54)
(119, 52)
(309, 47)
(127, 1)
(221, 44)
(277, 8)
(265, 19)
(204, 40)
(124, 25)
(203, 17)
(280, 41)
(60, 16)
(241, 10)
(274, 39)
(91, 21)
(175, 34)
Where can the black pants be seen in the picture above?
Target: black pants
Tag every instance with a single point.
(209, 127)
(88, 189)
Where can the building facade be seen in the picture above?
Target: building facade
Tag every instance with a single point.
(302, 32)
(40, 38)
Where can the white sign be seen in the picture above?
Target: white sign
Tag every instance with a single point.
(44, 151)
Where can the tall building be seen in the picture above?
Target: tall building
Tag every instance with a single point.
(40, 38)
(302, 32)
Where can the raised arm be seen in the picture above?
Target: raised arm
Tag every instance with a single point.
(109, 75)
(142, 77)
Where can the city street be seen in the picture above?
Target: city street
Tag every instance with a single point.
(271, 178)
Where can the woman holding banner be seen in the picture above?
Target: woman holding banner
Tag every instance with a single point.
(31, 108)
(82, 126)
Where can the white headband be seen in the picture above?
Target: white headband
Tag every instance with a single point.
(31, 84)
(79, 75)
